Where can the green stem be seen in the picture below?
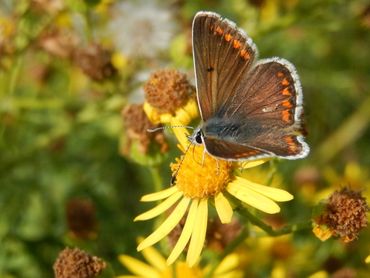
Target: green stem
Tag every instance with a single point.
(157, 179)
(14, 74)
(346, 134)
(287, 229)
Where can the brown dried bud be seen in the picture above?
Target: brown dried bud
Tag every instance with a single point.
(257, 3)
(81, 218)
(365, 17)
(220, 235)
(60, 43)
(344, 215)
(137, 125)
(281, 249)
(49, 6)
(75, 263)
(168, 90)
(95, 62)
(345, 272)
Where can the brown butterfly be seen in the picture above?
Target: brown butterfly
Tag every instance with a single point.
(250, 108)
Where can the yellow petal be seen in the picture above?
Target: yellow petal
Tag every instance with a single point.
(199, 233)
(185, 234)
(167, 226)
(223, 208)
(183, 116)
(155, 258)
(253, 163)
(159, 195)
(152, 114)
(252, 198)
(165, 118)
(229, 263)
(137, 267)
(192, 108)
(159, 209)
(367, 259)
(181, 134)
(231, 274)
(273, 193)
(319, 274)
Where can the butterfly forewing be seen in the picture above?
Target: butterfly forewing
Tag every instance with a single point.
(222, 56)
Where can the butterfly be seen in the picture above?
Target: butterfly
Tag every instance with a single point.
(250, 108)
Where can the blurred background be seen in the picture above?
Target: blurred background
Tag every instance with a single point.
(69, 68)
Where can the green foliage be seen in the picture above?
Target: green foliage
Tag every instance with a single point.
(60, 130)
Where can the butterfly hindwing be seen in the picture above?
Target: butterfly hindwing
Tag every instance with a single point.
(264, 112)
(230, 151)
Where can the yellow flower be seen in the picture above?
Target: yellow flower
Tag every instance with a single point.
(170, 98)
(158, 268)
(182, 116)
(200, 179)
(367, 259)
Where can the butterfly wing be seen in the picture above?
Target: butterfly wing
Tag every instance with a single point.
(250, 109)
(222, 54)
(232, 151)
(264, 112)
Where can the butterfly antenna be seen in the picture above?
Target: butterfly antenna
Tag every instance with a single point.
(173, 178)
(167, 127)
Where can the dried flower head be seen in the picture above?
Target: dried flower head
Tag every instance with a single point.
(95, 62)
(7, 34)
(49, 6)
(59, 43)
(344, 216)
(81, 218)
(75, 263)
(220, 235)
(365, 17)
(137, 125)
(345, 272)
(167, 90)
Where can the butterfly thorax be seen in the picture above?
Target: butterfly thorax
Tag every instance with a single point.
(221, 129)
(217, 128)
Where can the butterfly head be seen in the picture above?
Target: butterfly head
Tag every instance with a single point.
(197, 137)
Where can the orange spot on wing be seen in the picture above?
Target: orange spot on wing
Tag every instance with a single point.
(289, 139)
(219, 30)
(286, 92)
(228, 37)
(247, 153)
(280, 74)
(244, 54)
(285, 82)
(287, 104)
(292, 144)
(236, 44)
(286, 115)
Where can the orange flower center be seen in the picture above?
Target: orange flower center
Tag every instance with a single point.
(200, 175)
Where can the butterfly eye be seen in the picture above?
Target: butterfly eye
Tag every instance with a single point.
(198, 138)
